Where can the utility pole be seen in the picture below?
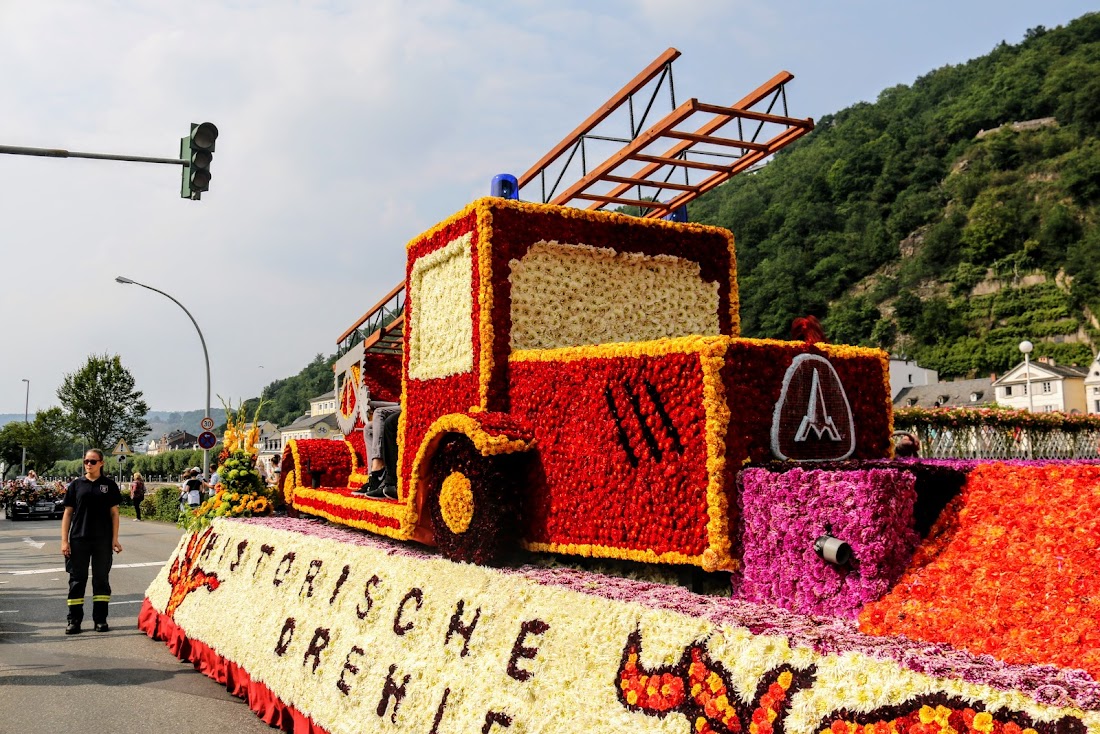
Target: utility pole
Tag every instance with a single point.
(26, 422)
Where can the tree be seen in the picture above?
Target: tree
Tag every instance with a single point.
(48, 438)
(101, 403)
(12, 438)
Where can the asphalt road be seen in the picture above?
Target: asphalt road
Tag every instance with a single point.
(117, 682)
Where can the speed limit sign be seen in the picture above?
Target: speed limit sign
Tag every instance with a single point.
(207, 423)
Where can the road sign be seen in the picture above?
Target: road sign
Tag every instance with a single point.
(207, 423)
(207, 440)
(121, 449)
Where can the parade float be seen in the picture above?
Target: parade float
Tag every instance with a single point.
(583, 426)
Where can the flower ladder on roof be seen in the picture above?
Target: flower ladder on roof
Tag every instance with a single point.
(657, 169)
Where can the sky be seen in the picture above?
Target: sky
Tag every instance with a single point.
(346, 128)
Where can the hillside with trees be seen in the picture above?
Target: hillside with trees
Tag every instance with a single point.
(930, 222)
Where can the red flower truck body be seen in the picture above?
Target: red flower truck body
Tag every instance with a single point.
(598, 356)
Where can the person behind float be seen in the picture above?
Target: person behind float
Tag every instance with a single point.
(908, 445)
(89, 533)
(192, 488)
(215, 480)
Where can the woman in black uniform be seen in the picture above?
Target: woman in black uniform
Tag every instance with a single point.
(89, 532)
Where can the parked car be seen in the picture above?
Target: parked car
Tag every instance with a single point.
(43, 507)
(43, 500)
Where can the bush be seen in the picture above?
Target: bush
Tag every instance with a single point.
(166, 503)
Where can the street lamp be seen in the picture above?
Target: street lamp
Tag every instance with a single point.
(26, 413)
(205, 354)
(1026, 347)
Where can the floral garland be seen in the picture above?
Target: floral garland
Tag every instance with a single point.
(1009, 570)
(913, 417)
(358, 634)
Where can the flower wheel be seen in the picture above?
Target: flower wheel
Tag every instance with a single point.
(472, 501)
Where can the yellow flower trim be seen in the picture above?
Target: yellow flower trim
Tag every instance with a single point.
(717, 557)
(355, 476)
(399, 512)
(456, 502)
(594, 550)
(655, 348)
(485, 299)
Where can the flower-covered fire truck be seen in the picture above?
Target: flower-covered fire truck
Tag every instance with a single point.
(573, 381)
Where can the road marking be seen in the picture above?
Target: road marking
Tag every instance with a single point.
(59, 570)
(112, 603)
(35, 543)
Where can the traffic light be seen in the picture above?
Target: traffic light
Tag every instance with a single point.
(198, 150)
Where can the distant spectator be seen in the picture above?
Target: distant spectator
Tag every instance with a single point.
(137, 494)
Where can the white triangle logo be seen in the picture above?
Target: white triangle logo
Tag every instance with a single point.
(817, 416)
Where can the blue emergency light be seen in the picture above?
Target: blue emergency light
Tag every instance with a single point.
(505, 186)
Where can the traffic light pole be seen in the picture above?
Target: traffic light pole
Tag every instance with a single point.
(58, 153)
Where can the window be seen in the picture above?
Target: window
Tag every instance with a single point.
(639, 297)
(1097, 408)
(1047, 387)
(441, 342)
(1008, 391)
(910, 378)
(1096, 390)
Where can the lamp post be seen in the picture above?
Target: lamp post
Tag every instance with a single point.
(205, 354)
(1026, 347)
(26, 421)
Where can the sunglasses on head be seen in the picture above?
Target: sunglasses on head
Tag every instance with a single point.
(91, 461)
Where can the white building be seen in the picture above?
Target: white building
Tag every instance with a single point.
(1054, 387)
(323, 404)
(907, 373)
(1092, 387)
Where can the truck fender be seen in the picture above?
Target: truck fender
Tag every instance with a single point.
(491, 434)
